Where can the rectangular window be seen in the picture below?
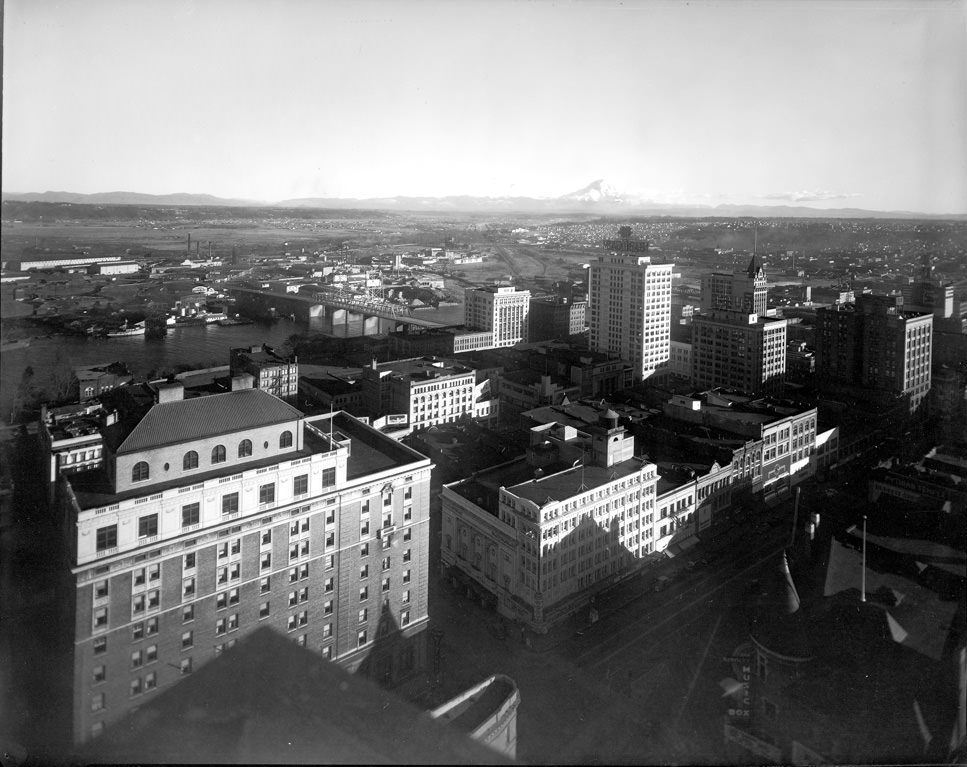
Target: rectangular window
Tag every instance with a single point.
(266, 537)
(387, 563)
(107, 537)
(100, 674)
(230, 503)
(364, 593)
(364, 550)
(147, 526)
(329, 585)
(266, 560)
(407, 534)
(188, 588)
(97, 702)
(406, 555)
(151, 627)
(233, 621)
(150, 681)
(386, 585)
(364, 571)
(327, 631)
(327, 652)
(187, 640)
(328, 477)
(363, 615)
(405, 597)
(220, 625)
(186, 665)
(188, 613)
(330, 561)
(137, 659)
(406, 576)
(361, 638)
(293, 599)
(151, 653)
(404, 617)
(100, 618)
(100, 589)
(300, 484)
(364, 528)
(137, 632)
(265, 585)
(267, 493)
(264, 610)
(190, 514)
(327, 608)
(100, 645)
(135, 687)
(189, 563)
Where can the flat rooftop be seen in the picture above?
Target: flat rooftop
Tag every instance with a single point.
(425, 368)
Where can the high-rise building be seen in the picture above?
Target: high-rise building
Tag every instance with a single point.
(630, 301)
(741, 291)
(738, 351)
(875, 344)
(502, 311)
(734, 344)
(208, 517)
(928, 293)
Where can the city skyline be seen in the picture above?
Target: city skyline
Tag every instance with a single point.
(823, 104)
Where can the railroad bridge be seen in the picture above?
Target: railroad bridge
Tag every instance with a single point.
(337, 306)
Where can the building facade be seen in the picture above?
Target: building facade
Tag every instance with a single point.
(630, 305)
(271, 372)
(502, 311)
(213, 516)
(877, 345)
(744, 291)
(738, 351)
(428, 390)
(556, 317)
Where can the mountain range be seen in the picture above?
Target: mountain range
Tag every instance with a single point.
(597, 198)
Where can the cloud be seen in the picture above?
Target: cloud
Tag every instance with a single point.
(818, 195)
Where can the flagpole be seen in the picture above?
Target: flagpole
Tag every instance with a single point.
(863, 589)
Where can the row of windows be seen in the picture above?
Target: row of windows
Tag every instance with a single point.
(141, 471)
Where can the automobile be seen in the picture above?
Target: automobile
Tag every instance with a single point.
(662, 582)
(691, 564)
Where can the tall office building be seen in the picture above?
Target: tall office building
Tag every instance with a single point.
(630, 300)
(738, 351)
(928, 293)
(875, 344)
(502, 311)
(734, 344)
(742, 291)
(208, 517)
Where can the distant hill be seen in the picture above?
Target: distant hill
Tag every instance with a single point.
(128, 198)
(597, 198)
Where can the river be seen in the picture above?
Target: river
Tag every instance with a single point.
(200, 345)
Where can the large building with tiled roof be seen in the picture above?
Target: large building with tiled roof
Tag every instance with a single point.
(206, 518)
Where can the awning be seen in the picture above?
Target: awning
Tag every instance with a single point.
(681, 546)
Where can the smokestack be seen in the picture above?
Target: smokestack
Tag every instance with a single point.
(188, 252)
(209, 250)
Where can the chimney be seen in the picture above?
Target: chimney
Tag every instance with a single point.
(171, 391)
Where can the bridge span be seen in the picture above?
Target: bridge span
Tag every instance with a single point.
(337, 306)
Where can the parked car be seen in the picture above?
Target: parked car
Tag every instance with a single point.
(662, 582)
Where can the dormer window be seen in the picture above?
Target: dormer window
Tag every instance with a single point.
(140, 472)
(245, 448)
(218, 454)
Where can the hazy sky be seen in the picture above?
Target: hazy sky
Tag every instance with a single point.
(851, 103)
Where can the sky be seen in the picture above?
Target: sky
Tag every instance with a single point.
(828, 103)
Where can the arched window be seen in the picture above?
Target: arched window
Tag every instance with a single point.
(140, 472)
(285, 439)
(245, 448)
(218, 454)
(190, 461)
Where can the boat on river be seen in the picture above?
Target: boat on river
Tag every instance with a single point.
(6, 346)
(137, 329)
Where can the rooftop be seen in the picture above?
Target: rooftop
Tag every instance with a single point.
(270, 701)
(192, 419)
(567, 483)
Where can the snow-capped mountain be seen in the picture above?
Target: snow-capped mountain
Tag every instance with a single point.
(596, 191)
